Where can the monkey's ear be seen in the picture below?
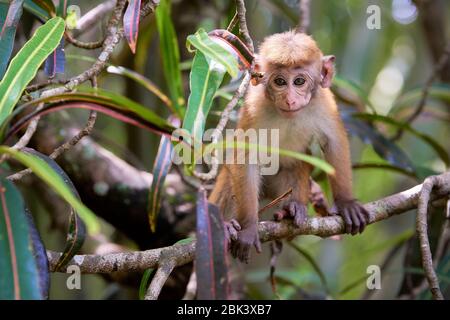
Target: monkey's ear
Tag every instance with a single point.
(327, 71)
(257, 75)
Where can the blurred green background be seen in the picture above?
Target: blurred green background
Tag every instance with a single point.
(387, 65)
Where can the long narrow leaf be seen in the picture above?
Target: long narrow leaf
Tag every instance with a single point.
(214, 50)
(370, 135)
(36, 10)
(47, 5)
(210, 256)
(143, 81)
(351, 88)
(23, 263)
(56, 61)
(170, 54)
(114, 105)
(25, 64)
(206, 77)
(61, 10)
(313, 263)
(53, 180)
(9, 19)
(77, 229)
(161, 168)
(131, 23)
(424, 137)
(436, 91)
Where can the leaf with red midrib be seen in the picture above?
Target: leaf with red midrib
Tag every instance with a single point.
(23, 262)
(210, 256)
(131, 23)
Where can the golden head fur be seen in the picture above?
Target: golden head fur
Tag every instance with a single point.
(288, 49)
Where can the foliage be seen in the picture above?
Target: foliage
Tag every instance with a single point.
(185, 75)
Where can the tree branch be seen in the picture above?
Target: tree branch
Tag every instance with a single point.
(268, 230)
(305, 16)
(243, 29)
(422, 230)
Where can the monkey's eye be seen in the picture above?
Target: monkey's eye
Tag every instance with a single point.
(299, 81)
(280, 82)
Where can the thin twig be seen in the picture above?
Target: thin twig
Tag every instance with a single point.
(113, 35)
(67, 145)
(160, 278)
(275, 201)
(425, 92)
(31, 129)
(305, 16)
(191, 288)
(422, 230)
(82, 44)
(64, 147)
(387, 261)
(39, 86)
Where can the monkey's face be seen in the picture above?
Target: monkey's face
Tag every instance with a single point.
(291, 88)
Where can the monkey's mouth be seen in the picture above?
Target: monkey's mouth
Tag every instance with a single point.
(291, 111)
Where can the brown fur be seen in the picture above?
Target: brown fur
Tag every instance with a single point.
(239, 187)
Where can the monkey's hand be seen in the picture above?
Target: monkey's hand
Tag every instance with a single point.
(294, 210)
(246, 238)
(354, 214)
(232, 228)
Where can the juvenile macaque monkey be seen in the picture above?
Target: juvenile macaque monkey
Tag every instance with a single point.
(293, 96)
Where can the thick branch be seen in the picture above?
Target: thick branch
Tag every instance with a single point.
(240, 8)
(268, 230)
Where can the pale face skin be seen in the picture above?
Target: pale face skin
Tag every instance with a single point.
(290, 89)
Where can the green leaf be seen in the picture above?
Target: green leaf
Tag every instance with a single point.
(313, 263)
(214, 51)
(53, 180)
(9, 16)
(409, 99)
(144, 283)
(170, 54)
(143, 81)
(316, 162)
(185, 241)
(25, 64)
(161, 167)
(370, 135)
(110, 103)
(62, 8)
(36, 10)
(77, 229)
(23, 262)
(354, 91)
(424, 137)
(384, 166)
(47, 5)
(206, 77)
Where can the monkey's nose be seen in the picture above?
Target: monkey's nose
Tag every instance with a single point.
(290, 104)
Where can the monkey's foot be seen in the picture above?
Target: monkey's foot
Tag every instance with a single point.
(354, 214)
(232, 228)
(246, 238)
(294, 210)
